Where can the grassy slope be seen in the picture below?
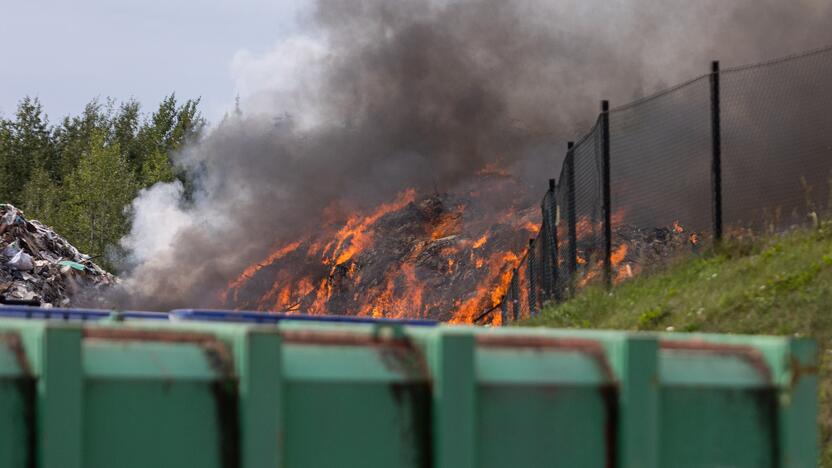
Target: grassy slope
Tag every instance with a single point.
(781, 285)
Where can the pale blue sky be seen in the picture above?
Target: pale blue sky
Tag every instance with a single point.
(68, 52)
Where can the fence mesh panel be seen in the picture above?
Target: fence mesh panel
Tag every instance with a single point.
(540, 266)
(589, 212)
(660, 185)
(563, 214)
(776, 142)
(548, 249)
(522, 298)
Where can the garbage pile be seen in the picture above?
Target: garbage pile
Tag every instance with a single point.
(39, 267)
(439, 256)
(645, 249)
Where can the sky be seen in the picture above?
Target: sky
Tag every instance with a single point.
(67, 53)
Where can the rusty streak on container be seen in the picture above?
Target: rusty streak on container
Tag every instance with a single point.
(751, 355)
(593, 349)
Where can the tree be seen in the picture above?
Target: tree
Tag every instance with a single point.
(41, 196)
(6, 191)
(81, 175)
(126, 125)
(27, 143)
(168, 130)
(98, 192)
(73, 136)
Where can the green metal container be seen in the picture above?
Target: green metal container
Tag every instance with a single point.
(330, 395)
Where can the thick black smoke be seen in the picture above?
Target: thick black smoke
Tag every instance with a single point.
(422, 94)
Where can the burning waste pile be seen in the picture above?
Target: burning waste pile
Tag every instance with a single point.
(39, 267)
(655, 246)
(445, 256)
(637, 250)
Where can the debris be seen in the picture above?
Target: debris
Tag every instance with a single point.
(71, 264)
(21, 261)
(648, 248)
(39, 267)
(439, 256)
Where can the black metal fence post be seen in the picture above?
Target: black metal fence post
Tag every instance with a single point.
(550, 219)
(605, 174)
(572, 260)
(716, 150)
(515, 294)
(531, 279)
(545, 263)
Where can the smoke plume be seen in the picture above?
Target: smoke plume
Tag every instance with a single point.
(384, 95)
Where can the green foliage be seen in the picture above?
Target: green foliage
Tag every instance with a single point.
(80, 175)
(25, 144)
(98, 191)
(651, 318)
(777, 285)
(41, 195)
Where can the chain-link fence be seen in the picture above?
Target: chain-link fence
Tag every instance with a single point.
(746, 149)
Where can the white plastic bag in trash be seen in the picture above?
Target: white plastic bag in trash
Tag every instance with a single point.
(21, 261)
(9, 218)
(11, 250)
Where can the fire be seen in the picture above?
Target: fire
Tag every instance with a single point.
(624, 271)
(585, 228)
(531, 227)
(591, 274)
(502, 287)
(249, 272)
(449, 224)
(357, 235)
(446, 260)
(480, 242)
(619, 254)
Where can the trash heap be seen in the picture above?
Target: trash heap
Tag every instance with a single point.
(39, 267)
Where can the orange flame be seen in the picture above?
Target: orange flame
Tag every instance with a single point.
(481, 241)
(249, 272)
(532, 228)
(357, 234)
(619, 254)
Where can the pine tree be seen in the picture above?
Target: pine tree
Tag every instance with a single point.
(29, 144)
(6, 191)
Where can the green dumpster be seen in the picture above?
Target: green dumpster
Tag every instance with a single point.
(161, 394)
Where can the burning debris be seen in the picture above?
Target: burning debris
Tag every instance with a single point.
(39, 267)
(645, 249)
(440, 256)
(635, 250)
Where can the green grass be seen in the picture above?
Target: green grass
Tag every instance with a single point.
(778, 286)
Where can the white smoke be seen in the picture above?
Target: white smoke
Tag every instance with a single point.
(158, 217)
(282, 80)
